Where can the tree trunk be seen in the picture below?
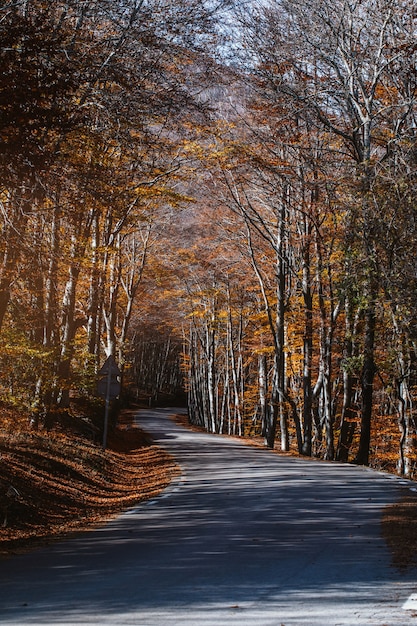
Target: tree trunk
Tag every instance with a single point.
(13, 235)
(367, 383)
(51, 287)
(94, 308)
(308, 348)
(348, 417)
(211, 375)
(68, 335)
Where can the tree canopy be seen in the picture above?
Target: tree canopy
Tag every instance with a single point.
(220, 195)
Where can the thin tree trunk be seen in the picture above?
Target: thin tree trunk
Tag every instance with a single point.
(68, 335)
(211, 375)
(367, 383)
(308, 348)
(348, 417)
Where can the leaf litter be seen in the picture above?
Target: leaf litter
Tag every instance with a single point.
(54, 483)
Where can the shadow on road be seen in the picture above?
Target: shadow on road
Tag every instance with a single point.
(240, 527)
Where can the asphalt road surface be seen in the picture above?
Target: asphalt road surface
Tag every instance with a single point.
(244, 537)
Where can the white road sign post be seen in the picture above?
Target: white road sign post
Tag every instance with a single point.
(108, 387)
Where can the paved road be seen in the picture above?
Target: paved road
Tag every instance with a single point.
(244, 537)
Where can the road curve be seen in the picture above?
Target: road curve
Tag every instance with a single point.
(244, 537)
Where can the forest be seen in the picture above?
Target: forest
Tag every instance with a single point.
(222, 197)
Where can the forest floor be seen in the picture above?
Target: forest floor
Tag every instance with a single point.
(53, 484)
(399, 528)
(56, 483)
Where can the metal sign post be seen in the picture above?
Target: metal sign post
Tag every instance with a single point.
(108, 387)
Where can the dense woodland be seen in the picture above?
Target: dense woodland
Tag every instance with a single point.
(221, 195)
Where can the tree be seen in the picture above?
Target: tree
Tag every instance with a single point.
(334, 63)
(91, 119)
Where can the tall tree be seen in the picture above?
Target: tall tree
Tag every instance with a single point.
(91, 117)
(334, 63)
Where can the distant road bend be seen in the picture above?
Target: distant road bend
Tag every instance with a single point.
(244, 537)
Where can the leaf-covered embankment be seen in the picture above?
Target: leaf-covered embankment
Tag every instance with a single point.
(52, 483)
